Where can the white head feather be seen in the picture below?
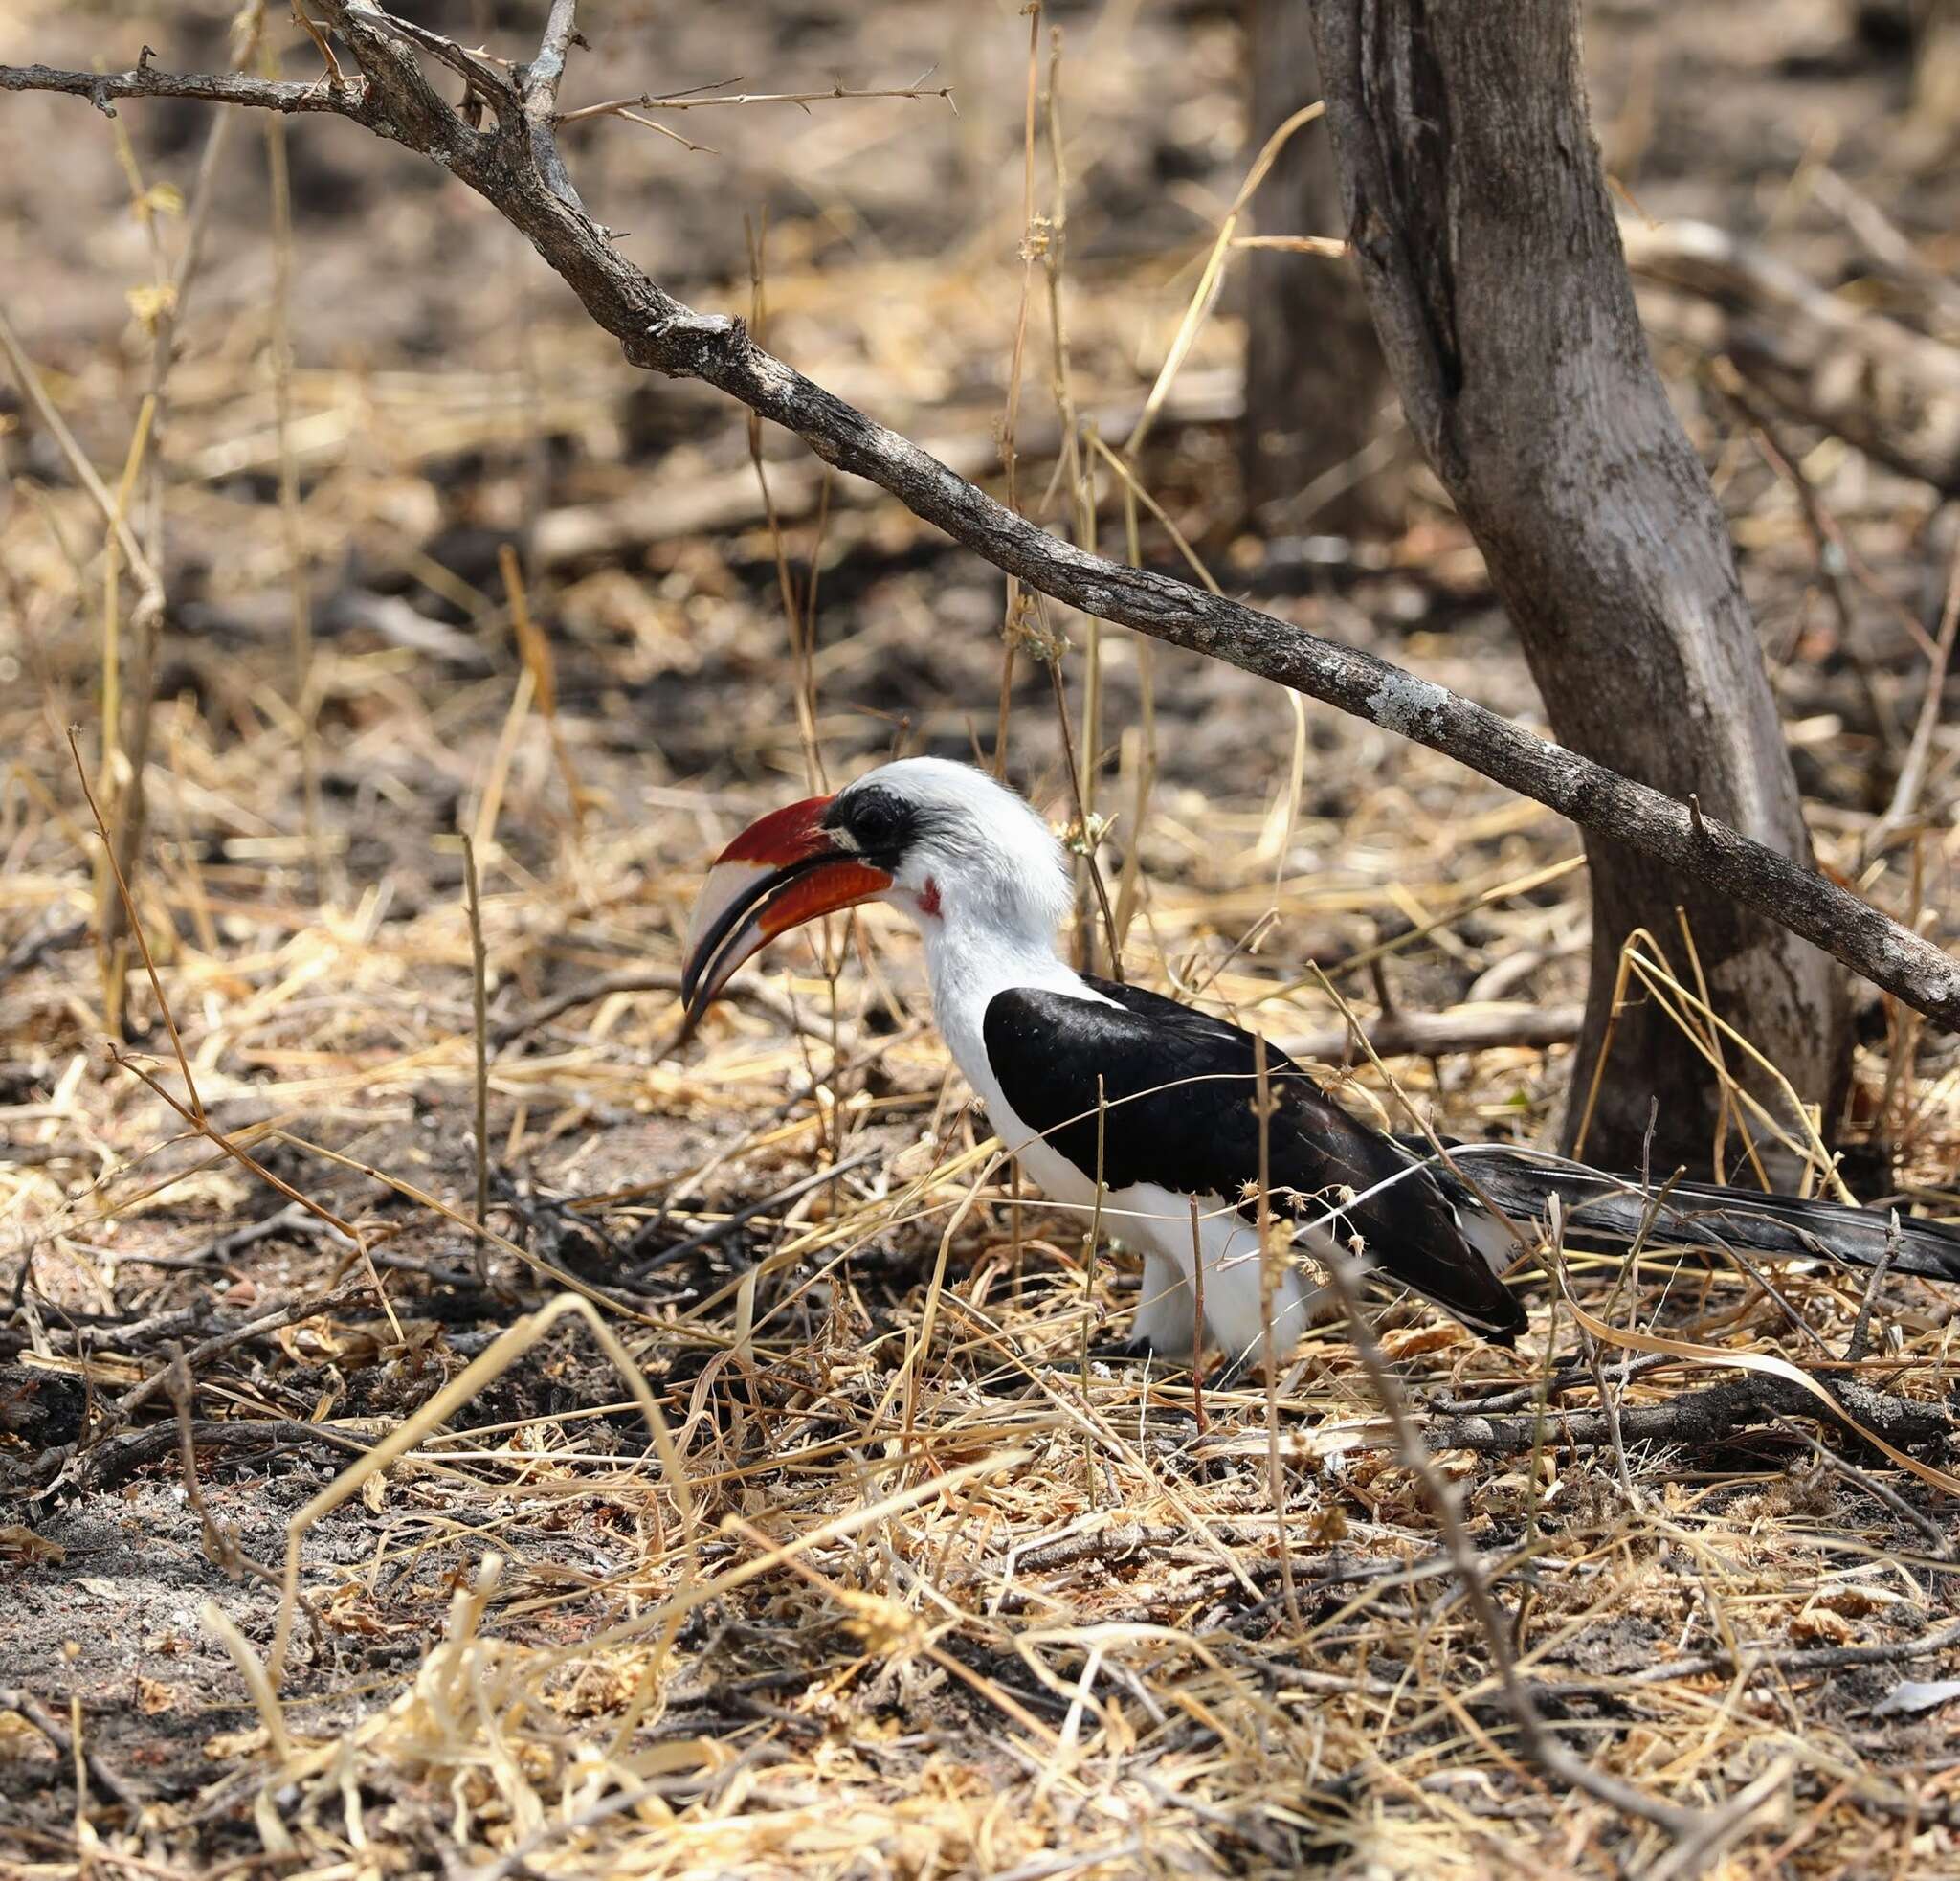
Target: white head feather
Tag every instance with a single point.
(981, 859)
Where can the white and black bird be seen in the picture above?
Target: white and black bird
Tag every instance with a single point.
(1045, 1048)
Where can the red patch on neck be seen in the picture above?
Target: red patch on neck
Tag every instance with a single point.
(928, 897)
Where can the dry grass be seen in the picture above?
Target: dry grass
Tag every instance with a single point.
(901, 1588)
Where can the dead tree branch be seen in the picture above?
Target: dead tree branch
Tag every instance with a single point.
(659, 333)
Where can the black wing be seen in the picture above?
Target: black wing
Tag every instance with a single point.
(1180, 1088)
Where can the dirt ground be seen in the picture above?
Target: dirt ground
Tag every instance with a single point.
(906, 1586)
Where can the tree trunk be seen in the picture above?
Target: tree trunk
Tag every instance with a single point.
(1314, 377)
(1475, 199)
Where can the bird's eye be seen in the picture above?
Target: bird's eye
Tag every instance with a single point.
(879, 822)
(876, 822)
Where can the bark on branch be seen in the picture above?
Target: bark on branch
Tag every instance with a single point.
(659, 333)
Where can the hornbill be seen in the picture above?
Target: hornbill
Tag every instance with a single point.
(1087, 1080)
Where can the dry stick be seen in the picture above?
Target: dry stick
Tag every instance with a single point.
(1708, 1042)
(335, 77)
(125, 752)
(1830, 543)
(1862, 1326)
(1143, 752)
(1265, 1105)
(248, 30)
(1083, 824)
(140, 1393)
(801, 665)
(142, 617)
(143, 621)
(1828, 546)
(534, 648)
(1912, 771)
(1197, 1344)
(1080, 479)
(1094, 1236)
(800, 620)
(37, 393)
(1212, 279)
(1433, 1035)
(305, 706)
(1886, 240)
(545, 74)
(663, 334)
(156, 986)
(1880, 1491)
(127, 798)
(480, 1006)
(1540, 1744)
(1012, 622)
(685, 102)
(1713, 1413)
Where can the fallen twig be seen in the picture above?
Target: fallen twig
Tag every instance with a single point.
(1710, 1416)
(113, 1461)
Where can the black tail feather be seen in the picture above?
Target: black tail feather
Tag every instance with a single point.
(1709, 1212)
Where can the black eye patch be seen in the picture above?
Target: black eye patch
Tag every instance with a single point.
(881, 823)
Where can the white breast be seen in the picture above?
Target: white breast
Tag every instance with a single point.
(1143, 1216)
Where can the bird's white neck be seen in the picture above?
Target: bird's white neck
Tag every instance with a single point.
(970, 958)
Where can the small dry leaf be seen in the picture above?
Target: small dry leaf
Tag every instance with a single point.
(1819, 1622)
(19, 1738)
(1411, 1341)
(153, 1695)
(229, 1744)
(327, 1342)
(884, 1626)
(1327, 1525)
(1853, 1600)
(1911, 1697)
(27, 1549)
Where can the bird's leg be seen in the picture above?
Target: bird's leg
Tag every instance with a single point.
(1235, 1315)
(1167, 1315)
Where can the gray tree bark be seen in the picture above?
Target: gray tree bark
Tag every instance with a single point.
(1314, 376)
(1479, 216)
